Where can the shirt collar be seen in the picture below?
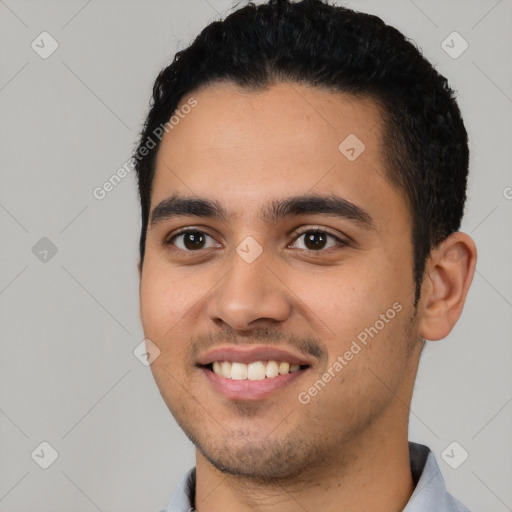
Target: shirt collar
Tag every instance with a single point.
(429, 494)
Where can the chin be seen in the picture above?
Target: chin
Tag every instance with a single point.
(264, 462)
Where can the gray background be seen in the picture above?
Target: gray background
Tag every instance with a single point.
(69, 321)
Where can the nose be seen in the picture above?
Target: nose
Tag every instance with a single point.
(250, 294)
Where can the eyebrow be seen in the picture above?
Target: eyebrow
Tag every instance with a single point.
(277, 209)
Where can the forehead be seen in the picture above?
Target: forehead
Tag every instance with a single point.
(241, 147)
(229, 121)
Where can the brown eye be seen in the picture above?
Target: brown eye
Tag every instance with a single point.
(190, 240)
(316, 240)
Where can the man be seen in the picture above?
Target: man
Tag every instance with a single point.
(302, 175)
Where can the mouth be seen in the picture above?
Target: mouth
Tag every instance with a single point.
(251, 381)
(254, 371)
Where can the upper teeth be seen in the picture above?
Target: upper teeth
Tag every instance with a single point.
(253, 371)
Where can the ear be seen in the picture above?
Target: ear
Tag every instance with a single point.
(449, 272)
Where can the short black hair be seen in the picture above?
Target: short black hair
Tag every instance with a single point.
(313, 43)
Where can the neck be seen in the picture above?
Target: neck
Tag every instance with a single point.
(372, 474)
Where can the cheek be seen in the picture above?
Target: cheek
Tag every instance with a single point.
(362, 315)
(163, 309)
(344, 301)
(164, 300)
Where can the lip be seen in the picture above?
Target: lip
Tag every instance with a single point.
(250, 354)
(250, 389)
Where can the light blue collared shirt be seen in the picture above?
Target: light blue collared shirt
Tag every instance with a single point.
(430, 494)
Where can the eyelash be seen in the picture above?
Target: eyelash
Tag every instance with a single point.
(341, 242)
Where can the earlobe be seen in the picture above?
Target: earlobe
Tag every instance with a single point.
(448, 275)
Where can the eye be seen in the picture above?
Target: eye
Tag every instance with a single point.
(316, 239)
(190, 240)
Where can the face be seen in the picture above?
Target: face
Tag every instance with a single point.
(309, 264)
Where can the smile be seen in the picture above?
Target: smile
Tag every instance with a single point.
(247, 382)
(257, 370)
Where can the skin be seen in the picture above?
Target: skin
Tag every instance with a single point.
(349, 444)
